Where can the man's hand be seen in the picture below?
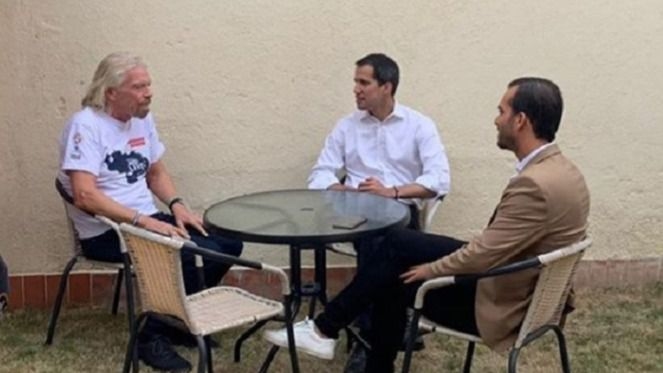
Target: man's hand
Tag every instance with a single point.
(421, 272)
(373, 185)
(183, 217)
(161, 227)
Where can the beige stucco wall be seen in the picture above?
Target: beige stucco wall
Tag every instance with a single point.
(245, 92)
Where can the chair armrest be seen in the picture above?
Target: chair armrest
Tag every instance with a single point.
(435, 283)
(223, 258)
(190, 246)
(283, 277)
(450, 280)
(427, 211)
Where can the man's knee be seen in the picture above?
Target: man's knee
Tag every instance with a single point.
(397, 240)
(231, 247)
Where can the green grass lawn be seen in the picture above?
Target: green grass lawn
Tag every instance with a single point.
(614, 330)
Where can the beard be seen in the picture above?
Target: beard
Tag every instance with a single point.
(505, 141)
(142, 111)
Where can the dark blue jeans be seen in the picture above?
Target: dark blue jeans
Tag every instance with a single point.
(377, 283)
(106, 247)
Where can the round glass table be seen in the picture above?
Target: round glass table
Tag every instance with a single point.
(304, 217)
(304, 220)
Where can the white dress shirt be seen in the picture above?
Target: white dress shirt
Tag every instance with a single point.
(520, 165)
(405, 148)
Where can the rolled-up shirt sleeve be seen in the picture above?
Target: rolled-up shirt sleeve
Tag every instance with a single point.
(435, 174)
(330, 161)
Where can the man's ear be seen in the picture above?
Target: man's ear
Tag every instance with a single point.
(388, 87)
(110, 94)
(522, 120)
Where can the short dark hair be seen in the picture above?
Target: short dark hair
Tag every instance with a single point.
(385, 70)
(541, 100)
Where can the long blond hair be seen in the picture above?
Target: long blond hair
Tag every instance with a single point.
(110, 74)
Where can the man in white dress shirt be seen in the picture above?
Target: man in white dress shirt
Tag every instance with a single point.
(384, 147)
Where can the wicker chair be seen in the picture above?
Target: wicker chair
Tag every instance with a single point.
(544, 312)
(123, 270)
(157, 265)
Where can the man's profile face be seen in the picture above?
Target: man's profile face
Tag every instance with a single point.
(505, 121)
(368, 93)
(131, 98)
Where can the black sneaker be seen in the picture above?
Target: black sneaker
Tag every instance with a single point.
(158, 353)
(180, 337)
(189, 341)
(357, 360)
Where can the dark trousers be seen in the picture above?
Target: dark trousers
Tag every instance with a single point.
(364, 249)
(377, 283)
(106, 247)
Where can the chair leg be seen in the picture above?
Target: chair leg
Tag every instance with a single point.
(412, 335)
(129, 290)
(311, 307)
(131, 356)
(349, 341)
(249, 332)
(291, 335)
(208, 347)
(202, 354)
(116, 293)
(268, 359)
(468, 357)
(566, 367)
(58, 300)
(513, 360)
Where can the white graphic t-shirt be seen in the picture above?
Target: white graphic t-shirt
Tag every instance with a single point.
(117, 153)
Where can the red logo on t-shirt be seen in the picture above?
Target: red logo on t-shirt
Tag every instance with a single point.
(138, 141)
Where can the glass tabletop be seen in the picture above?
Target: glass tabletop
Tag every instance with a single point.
(304, 216)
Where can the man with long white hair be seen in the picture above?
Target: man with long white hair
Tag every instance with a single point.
(110, 163)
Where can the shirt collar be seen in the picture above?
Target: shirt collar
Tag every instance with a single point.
(398, 112)
(525, 161)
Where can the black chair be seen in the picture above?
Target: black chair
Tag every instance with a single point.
(123, 270)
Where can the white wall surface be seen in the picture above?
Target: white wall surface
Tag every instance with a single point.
(245, 92)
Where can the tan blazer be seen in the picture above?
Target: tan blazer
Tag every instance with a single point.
(543, 208)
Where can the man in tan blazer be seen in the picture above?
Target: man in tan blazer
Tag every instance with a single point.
(543, 207)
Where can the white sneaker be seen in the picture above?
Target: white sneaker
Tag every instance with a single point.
(306, 340)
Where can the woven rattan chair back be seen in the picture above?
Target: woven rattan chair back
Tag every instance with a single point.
(552, 289)
(158, 270)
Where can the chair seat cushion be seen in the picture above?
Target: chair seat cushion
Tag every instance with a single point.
(225, 307)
